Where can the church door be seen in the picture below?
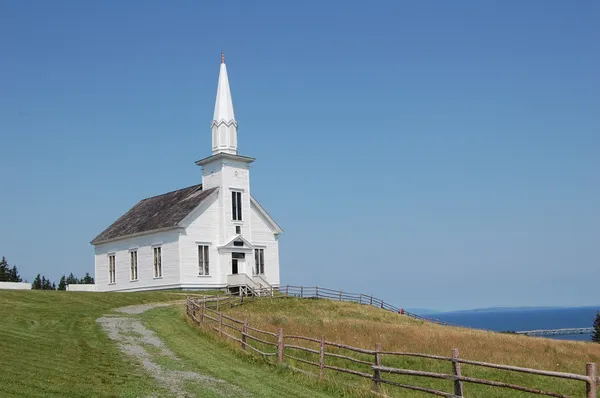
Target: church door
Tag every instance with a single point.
(237, 262)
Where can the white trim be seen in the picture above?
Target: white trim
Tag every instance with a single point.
(135, 235)
(204, 260)
(137, 268)
(187, 285)
(274, 226)
(192, 214)
(229, 245)
(157, 275)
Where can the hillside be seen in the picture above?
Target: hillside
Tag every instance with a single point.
(51, 345)
(364, 326)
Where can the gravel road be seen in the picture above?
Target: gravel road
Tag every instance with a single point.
(132, 338)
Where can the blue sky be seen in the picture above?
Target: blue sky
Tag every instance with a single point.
(437, 154)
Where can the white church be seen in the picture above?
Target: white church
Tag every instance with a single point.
(213, 235)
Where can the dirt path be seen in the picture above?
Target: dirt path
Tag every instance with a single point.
(143, 346)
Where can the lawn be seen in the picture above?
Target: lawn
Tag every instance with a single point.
(52, 346)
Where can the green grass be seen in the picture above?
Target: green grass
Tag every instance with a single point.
(201, 351)
(52, 346)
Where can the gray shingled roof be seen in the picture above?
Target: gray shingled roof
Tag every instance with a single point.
(158, 212)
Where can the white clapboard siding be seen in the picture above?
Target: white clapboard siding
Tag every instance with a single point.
(263, 237)
(169, 243)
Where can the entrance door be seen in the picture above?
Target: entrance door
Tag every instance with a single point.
(237, 262)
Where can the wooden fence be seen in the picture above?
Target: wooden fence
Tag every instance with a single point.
(339, 295)
(206, 311)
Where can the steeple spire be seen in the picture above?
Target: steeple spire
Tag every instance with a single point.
(224, 126)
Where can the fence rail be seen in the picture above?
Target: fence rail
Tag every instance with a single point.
(340, 295)
(288, 350)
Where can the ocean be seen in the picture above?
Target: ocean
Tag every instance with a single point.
(524, 319)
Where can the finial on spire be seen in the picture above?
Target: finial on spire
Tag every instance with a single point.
(222, 58)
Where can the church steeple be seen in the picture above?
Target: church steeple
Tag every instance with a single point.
(224, 126)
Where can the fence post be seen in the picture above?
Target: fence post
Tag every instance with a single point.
(371, 300)
(218, 300)
(244, 332)
(220, 324)
(591, 385)
(202, 309)
(286, 289)
(301, 291)
(360, 299)
(458, 384)
(377, 373)
(322, 358)
(280, 346)
(317, 290)
(340, 294)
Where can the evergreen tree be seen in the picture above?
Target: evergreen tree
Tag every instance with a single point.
(72, 280)
(87, 278)
(13, 275)
(62, 284)
(53, 286)
(596, 332)
(37, 282)
(4, 270)
(43, 284)
(46, 284)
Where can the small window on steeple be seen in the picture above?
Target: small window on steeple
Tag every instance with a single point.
(238, 243)
(238, 229)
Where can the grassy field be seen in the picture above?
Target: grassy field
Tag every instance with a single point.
(364, 326)
(51, 346)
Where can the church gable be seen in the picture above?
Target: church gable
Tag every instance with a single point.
(237, 243)
(262, 213)
(155, 213)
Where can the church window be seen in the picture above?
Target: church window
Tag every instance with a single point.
(157, 262)
(236, 206)
(238, 243)
(259, 261)
(112, 276)
(203, 260)
(238, 229)
(134, 265)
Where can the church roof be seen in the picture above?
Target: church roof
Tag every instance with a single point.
(155, 213)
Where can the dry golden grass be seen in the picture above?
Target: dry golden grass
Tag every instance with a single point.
(364, 326)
